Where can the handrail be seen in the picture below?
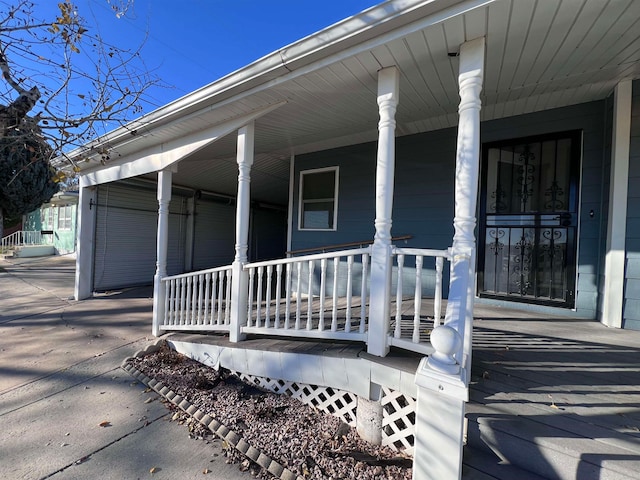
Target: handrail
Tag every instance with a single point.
(427, 252)
(317, 256)
(197, 272)
(343, 245)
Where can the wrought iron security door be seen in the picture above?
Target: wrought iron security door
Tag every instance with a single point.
(528, 219)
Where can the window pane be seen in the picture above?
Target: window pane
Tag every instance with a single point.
(317, 215)
(318, 185)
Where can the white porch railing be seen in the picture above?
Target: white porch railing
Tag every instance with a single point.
(21, 238)
(198, 300)
(409, 328)
(322, 296)
(323, 286)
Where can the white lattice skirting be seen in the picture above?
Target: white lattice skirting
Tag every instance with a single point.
(398, 423)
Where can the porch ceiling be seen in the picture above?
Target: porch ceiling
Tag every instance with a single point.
(541, 54)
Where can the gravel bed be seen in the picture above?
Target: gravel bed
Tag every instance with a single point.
(310, 443)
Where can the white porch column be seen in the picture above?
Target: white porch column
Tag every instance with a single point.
(614, 264)
(162, 242)
(85, 245)
(442, 379)
(380, 283)
(239, 278)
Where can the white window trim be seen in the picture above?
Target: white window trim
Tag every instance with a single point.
(335, 169)
(47, 219)
(67, 223)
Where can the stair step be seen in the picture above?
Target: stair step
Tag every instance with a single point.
(480, 465)
(547, 445)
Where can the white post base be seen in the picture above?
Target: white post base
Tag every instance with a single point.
(439, 433)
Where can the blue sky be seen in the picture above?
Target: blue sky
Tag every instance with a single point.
(194, 42)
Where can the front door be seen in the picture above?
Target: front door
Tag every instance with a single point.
(528, 219)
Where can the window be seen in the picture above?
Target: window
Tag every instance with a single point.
(64, 217)
(46, 217)
(318, 199)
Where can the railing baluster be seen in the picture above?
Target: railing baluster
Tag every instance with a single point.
(276, 314)
(214, 293)
(298, 294)
(287, 309)
(167, 309)
(200, 293)
(194, 292)
(189, 308)
(363, 291)
(323, 278)
(252, 272)
(207, 292)
(259, 296)
(182, 300)
(347, 323)
(437, 298)
(267, 308)
(227, 311)
(220, 297)
(417, 300)
(176, 302)
(334, 313)
(398, 331)
(310, 294)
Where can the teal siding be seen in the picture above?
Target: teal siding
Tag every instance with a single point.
(631, 311)
(424, 182)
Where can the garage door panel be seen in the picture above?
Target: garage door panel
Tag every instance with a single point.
(125, 240)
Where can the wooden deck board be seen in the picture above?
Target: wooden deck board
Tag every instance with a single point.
(562, 386)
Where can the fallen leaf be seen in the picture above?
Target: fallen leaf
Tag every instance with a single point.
(105, 423)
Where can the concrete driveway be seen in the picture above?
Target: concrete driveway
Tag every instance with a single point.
(60, 378)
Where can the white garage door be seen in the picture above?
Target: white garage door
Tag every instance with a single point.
(125, 241)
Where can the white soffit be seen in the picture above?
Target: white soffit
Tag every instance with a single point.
(541, 54)
(163, 155)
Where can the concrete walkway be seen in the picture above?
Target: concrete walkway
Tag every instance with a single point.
(60, 378)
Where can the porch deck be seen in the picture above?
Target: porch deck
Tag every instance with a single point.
(550, 397)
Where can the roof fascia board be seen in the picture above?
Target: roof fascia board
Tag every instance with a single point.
(164, 155)
(385, 23)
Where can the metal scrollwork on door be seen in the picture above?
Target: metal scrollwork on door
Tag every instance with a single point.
(554, 192)
(496, 245)
(522, 264)
(526, 177)
(498, 205)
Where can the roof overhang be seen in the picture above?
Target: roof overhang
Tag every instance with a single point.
(540, 55)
